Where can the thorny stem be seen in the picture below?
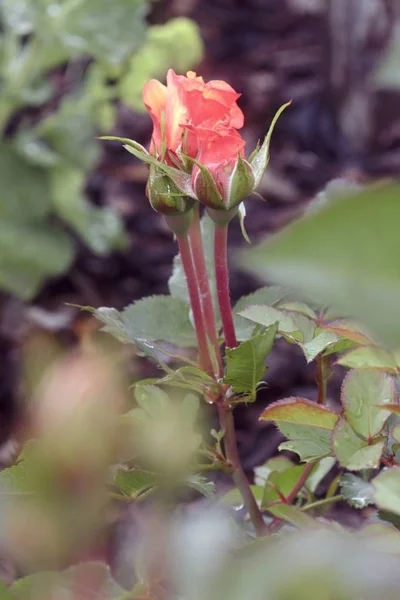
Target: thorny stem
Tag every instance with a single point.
(321, 380)
(191, 279)
(221, 272)
(196, 245)
(239, 477)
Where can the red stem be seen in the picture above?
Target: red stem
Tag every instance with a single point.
(196, 245)
(300, 483)
(222, 276)
(188, 267)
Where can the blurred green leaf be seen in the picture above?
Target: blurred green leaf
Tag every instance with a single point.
(387, 490)
(150, 319)
(388, 74)
(24, 188)
(109, 32)
(245, 364)
(352, 452)
(201, 484)
(362, 393)
(356, 491)
(100, 228)
(29, 254)
(266, 295)
(134, 482)
(152, 399)
(346, 255)
(174, 45)
(85, 580)
(18, 15)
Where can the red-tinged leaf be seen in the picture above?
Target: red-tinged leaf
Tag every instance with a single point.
(394, 408)
(349, 330)
(369, 357)
(300, 411)
(362, 391)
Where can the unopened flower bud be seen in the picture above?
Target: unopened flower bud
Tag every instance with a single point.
(164, 196)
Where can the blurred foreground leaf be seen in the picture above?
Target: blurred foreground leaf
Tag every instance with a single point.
(29, 254)
(345, 255)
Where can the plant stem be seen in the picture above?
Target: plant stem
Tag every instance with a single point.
(222, 276)
(323, 502)
(196, 245)
(321, 380)
(191, 279)
(300, 483)
(239, 477)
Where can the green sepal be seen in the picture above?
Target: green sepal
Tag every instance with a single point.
(164, 196)
(206, 189)
(241, 183)
(181, 179)
(259, 160)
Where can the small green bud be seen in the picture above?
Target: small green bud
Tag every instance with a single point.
(164, 196)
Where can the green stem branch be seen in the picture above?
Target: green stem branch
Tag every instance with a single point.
(239, 477)
(323, 502)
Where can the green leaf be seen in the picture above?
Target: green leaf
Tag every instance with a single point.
(134, 482)
(356, 491)
(369, 357)
(70, 131)
(235, 497)
(345, 256)
(150, 319)
(201, 484)
(29, 254)
(152, 399)
(309, 442)
(259, 161)
(25, 188)
(362, 392)
(100, 228)
(265, 295)
(293, 326)
(277, 463)
(16, 481)
(321, 342)
(300, 411)
(86, 580)
(319, 472)
(352, 452)
(280, 484)
(108, 33)
(292, 515)
(245, 364)
(176, 44)
(18, 15)
(387, 490)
